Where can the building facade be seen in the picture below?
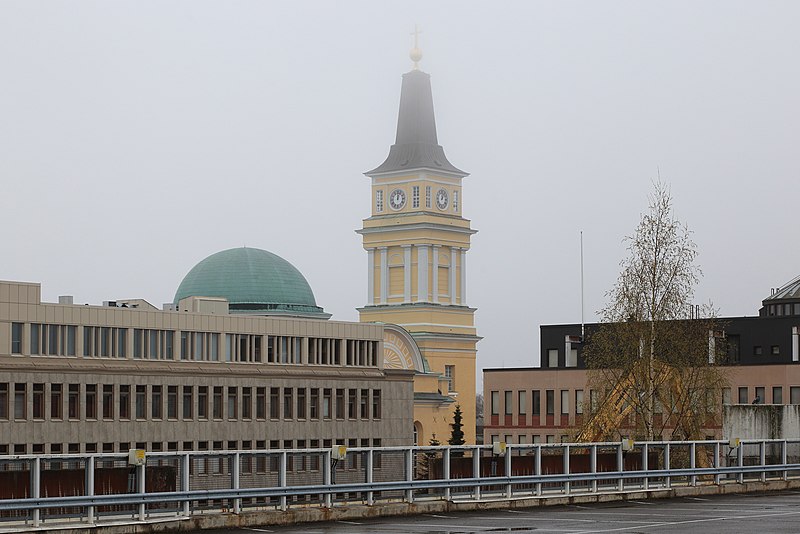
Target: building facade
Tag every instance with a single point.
(237, 364)
(546, 403)
(417, 241)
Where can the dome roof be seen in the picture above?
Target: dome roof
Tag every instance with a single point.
(253, 281)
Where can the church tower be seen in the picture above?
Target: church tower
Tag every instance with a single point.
(417, 242)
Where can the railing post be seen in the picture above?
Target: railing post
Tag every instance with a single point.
(565, 452)
(762, 456)
(668, 479)
(476, 469)
(620, 467)
(409, 457)
(538, 467)
(740, 462)
(237, 502)
(645, 467)
(186, 462)
(282, 480)
(326, 476)
(507, 470)
(692, 462)
(446, 471)
(785, 458)
(717, 462)
(369, 477)
(90, 487)
(593, 466)
(140, 488)
(36, 474)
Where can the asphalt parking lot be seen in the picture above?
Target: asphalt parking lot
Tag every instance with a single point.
(730, 514)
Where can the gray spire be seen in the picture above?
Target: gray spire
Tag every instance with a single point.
(416, 145)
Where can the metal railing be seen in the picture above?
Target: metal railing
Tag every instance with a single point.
(41, 490)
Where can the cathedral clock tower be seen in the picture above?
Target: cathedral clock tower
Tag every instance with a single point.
(417, 242)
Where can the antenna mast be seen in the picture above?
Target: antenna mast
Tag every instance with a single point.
(582, 324)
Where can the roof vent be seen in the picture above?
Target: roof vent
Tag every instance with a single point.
(65, 299)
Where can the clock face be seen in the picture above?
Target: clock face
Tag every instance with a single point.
(442, 199)
(397, 199)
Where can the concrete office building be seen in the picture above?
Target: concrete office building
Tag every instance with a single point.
(242, 359)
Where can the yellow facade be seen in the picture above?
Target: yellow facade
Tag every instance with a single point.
(417, 247)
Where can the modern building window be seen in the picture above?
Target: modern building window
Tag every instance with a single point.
(578, 401)
(247, 403)
(743, 395)
(91, 401)
(313, 407)
(450, 375)
(108, 401)
(261, 403)
(351, 403)
(124, 401)
(379, 200)
(74, 401)
(233, 408)
(427, 196)
(376, 404)
(301, 403)
(550, 401)
(340, 404)
(572, 358)
(202, 402)
(216, 402)
(495, 403)
(156, 402)
(274, 403)
(188, 402)
(38, 401)
(172, 402)
(522, 402)
(56, 399)
(775, 350)
(140, 402)
(509, 402)
(363, 402)
(16, 338)
(288, 395)
(734, 342)
(761, 394)
(794, 394)
(415, 196)
(326, 403)
(552, 358)
(777, 395)
(757, 350)
(537, 403)
(564, 402)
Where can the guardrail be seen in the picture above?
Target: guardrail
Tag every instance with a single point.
(73, 490)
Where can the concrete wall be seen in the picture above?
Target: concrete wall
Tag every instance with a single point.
(761, 421)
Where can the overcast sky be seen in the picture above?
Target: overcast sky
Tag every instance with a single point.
(137, 138)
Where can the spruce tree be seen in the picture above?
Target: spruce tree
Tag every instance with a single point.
(457, 434)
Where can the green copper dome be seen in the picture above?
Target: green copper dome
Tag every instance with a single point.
(254, 281)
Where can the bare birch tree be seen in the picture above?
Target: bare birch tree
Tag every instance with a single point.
(648, 358)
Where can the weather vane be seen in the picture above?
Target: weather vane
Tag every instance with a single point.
(416, 53)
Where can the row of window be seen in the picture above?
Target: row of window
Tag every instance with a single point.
(112, 342)
(783, 309)
(141, 402)
(523, 407)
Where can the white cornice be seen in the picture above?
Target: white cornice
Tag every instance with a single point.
(416, 226)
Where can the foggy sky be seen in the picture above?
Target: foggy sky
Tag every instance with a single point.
(137, 138)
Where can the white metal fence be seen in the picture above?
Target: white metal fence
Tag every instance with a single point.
(91, 489)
